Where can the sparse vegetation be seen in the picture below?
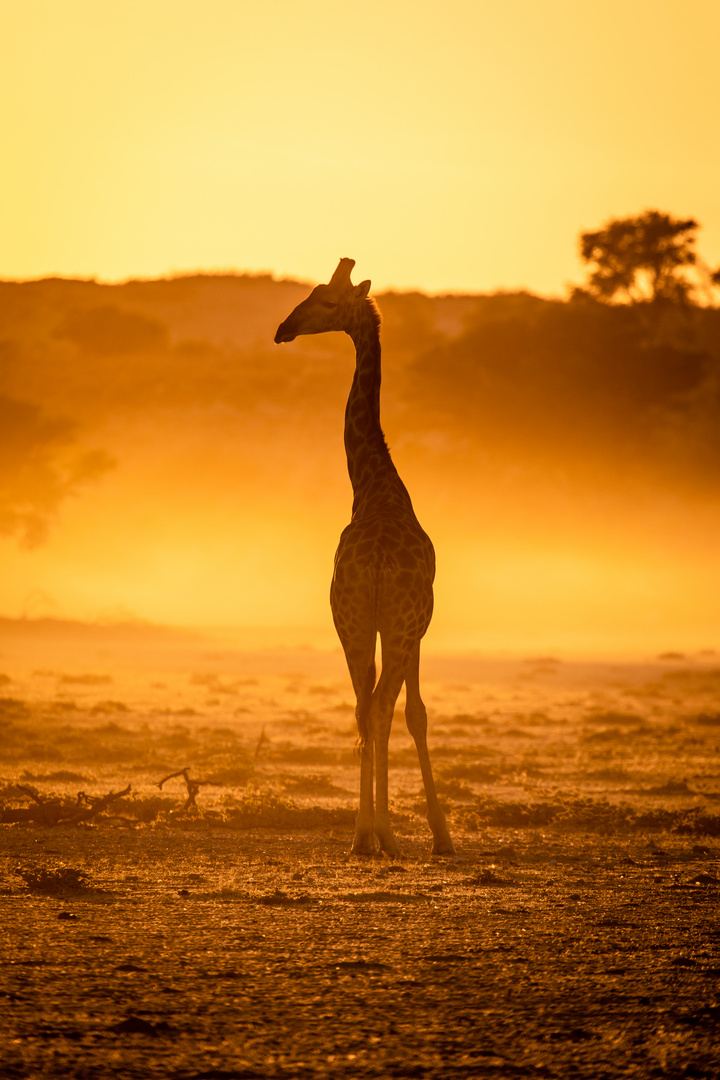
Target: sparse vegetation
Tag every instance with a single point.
(591, 815)
(56, 881)
(585, 884)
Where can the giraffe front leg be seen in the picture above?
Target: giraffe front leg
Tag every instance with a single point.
(363, 844)
(383, 826)
(383, 703)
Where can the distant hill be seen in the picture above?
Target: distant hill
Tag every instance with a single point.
(510, 375)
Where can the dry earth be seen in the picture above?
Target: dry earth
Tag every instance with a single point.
(574, 935)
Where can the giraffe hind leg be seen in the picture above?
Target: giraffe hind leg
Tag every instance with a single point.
(416, 719)
(384, 697)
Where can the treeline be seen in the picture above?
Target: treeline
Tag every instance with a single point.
(489, 383)
(581, 383)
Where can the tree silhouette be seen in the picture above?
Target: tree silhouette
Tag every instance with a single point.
(39, 468)
(645, 259)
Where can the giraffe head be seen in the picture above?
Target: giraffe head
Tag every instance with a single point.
(328, 307)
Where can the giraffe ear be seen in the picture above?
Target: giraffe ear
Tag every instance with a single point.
(362, 289)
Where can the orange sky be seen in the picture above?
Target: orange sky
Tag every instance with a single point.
(453, 146)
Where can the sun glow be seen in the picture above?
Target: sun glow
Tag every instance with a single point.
(453, 147)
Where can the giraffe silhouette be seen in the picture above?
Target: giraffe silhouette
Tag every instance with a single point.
(384, 567)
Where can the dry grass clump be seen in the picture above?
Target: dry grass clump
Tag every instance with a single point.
(586, 814)
(57, 881)
(258, 809)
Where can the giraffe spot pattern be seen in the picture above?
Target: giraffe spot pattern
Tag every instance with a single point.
(384, 566)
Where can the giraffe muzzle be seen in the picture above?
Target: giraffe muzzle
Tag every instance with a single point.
(283, 334)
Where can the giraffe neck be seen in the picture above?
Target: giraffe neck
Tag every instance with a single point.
(374, 478)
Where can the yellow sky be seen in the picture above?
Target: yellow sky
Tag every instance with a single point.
(460, 145)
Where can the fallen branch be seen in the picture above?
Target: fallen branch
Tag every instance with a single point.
(193, 786)
(55, 812)
(96, 804)
(45, 812)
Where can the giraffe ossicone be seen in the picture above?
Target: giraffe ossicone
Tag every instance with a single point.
(342, 272)
(382, 583)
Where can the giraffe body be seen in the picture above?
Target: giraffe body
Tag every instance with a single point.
(384, 567)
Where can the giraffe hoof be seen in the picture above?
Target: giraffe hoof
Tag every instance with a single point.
(389, 847)
(444, 847)
(391, 851)
(363, 846)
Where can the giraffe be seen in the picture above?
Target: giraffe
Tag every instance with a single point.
(384, 568)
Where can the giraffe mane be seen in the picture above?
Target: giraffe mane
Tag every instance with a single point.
(375, 312)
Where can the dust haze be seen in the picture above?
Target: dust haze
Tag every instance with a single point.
(166, 462)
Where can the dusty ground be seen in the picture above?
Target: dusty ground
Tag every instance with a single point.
(574, 935)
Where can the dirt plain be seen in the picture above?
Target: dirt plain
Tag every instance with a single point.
(220, 929)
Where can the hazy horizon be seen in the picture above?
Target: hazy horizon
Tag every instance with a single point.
(568, 483)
